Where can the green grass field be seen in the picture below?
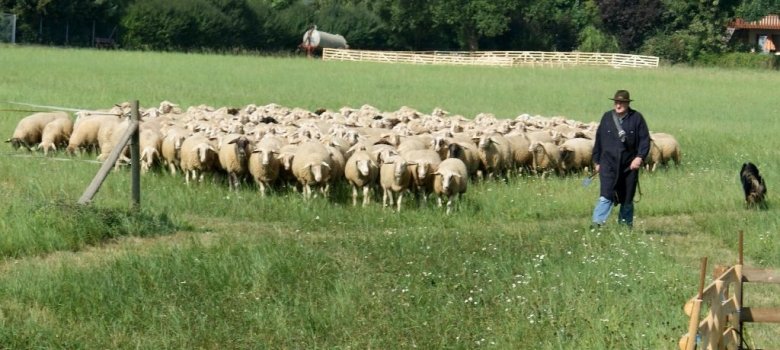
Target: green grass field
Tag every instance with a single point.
(516, 266)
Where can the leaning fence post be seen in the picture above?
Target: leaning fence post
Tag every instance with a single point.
(135, 157)
(108, 163)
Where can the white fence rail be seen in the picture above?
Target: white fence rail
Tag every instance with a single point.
(495, 58)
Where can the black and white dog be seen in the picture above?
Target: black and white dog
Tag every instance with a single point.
(753, 184)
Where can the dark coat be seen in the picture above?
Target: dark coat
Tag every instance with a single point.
(614, 157)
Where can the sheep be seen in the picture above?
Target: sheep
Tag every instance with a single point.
(394, 178)
(468, 153)
(523, 159)
(422, 165)
(234, 154)
(495, 154)
(450, 180)
(311, 166)
(547, 157)
(361, 172)
(108, 136)
(263, 162)
(55, 133)
(197, 156)
(86, 130)
(150, 144)
(663, 147)
(171, 145)
(29, 130)
(576, 155)
(338, 162)
(285, 157)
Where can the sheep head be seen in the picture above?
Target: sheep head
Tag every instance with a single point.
(242, 144)
(363, 166)
(203, 152)
(317, 172)
(446, 179)
(15, 142)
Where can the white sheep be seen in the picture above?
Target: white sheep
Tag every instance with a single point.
(263, 162)
(466, 152)
(150, 144)
(311, 166)
(55, 133)
(86, 130)
(450, 180)
(198, 156)
(523, 159)
(361, 172)
(338, 162)
(576, 155)
(422, 165)
(234, 151)
(108, 136)
(394, 177)
(29, 130)
(495, 154)
(547, 157)
(171, 145)
(663, 147)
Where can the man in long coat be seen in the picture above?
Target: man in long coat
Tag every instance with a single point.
(622, 143)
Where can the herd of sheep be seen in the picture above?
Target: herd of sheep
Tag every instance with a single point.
(398, 152)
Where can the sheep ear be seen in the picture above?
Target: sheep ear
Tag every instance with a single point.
(8, 141)
(325, 164)
(411, 162)
(456, 175)
(233, 141)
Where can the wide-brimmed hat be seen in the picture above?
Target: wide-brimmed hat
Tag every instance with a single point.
(622, 96)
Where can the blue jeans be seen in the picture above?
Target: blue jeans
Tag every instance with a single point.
(604, 207)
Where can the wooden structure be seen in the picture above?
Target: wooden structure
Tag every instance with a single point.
(763, 34)
(721, 326)
(495, 58)
(132, 136)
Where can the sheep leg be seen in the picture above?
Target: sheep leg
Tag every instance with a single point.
(366, 195)
(400, 198)
(172, 168)
(438, 201)
(187, 178)
(354, 195)
(261, 186)
(449, 204)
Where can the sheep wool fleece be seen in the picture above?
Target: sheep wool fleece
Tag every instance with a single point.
(614, 156)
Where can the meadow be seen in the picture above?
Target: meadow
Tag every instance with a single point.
(516, 266)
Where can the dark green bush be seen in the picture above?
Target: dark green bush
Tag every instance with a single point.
(739, 60)
(678, 47)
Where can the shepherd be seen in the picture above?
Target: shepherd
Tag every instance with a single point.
(622, 143)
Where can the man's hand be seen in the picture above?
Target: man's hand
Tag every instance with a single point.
(636, 163)
(597, 168)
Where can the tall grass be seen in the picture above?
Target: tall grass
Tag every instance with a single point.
(515, 267)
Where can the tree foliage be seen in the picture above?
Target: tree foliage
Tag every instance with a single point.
(678, 30)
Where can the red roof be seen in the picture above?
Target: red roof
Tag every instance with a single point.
(768, 22)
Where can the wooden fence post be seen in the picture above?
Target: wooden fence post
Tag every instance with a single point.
(135, 158)
(101, 175)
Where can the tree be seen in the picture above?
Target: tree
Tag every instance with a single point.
(473, 20)
(630, 21)
(752, 10)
